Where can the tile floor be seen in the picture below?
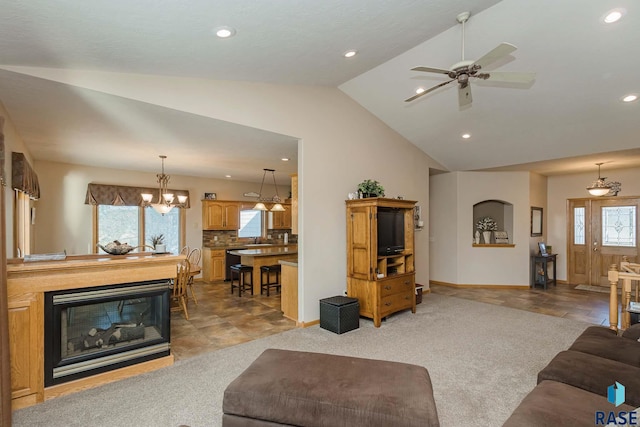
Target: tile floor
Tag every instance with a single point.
(221, 319)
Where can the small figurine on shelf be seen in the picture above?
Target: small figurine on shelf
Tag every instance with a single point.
(477, 237)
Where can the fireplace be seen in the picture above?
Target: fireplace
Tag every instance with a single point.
(94, 330)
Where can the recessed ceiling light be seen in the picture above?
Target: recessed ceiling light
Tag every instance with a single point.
(225, 32)
(630, 98)
(285, 159)
(613, 16)
(420, 90)
(350, 53)
(227, 176)
(466, 135)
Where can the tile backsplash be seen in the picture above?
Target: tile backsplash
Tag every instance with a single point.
(221, 238)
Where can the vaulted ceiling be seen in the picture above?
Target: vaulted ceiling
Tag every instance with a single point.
(561, 123)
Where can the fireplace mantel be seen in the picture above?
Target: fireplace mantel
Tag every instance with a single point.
(26, 285)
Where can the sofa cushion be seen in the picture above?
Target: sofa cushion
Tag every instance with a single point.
(552, 403)
(603, 342)
(633, 332)
(315, 389)
(593, 373)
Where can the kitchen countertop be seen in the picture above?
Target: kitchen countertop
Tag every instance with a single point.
(288, 263)
(238, 246)
(266, 251)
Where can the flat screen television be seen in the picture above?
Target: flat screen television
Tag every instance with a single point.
(390, 231)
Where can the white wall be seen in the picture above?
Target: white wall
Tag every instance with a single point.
(538, 198)
(12, 142)
(340, 145)
(563, 187)
(63, 221)
(461, 263)
(443, 230)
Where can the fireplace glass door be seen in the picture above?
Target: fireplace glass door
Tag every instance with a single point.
(93, 330)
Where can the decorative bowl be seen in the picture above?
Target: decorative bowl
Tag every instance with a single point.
(117, 248)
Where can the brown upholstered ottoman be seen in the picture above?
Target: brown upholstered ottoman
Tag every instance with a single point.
(557, 404)
(283, 387)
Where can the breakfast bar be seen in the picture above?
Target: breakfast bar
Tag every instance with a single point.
(265, 256)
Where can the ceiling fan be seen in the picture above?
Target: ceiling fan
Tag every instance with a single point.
(464, 70)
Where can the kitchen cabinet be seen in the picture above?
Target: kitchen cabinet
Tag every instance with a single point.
(27, 350)
(282, 219)
(213, 265)
(383, 284)
(220, 215)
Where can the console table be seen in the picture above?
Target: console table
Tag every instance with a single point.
(540, 270)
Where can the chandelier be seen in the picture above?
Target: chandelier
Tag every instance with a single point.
(260, 206)
(599, 187)
(165, 199)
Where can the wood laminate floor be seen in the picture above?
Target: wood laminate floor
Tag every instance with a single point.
(221, 319)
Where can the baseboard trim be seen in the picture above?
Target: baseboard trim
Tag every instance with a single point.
(307, 324)
(479, 286)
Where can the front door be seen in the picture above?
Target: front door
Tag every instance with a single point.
(602, 231)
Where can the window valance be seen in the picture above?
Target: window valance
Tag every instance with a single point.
(120, 195)
(23, 177)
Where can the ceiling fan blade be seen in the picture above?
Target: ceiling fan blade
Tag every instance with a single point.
(464, 95)
(503, 49)
(431, 70)
(428, 90)
(511, 77)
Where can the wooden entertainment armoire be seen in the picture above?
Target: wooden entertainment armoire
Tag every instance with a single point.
(383, 284)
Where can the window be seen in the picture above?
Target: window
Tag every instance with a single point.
(250, 223)
(619, 226)
(135, 225)
(118, 223)
(578, 226)
(22, 235)
(168, 225)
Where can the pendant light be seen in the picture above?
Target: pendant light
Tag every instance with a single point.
(165, 199)
(260, 206)
(599, 187)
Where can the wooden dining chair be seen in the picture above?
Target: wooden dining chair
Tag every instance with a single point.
(185, 251)
(179, 291)
(194, 259)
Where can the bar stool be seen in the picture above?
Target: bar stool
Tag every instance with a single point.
(268, 269)
(241, 271)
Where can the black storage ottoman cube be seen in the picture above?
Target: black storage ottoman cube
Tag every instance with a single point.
(339, 314)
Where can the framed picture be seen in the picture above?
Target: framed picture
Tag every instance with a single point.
(501, 237)
(536, 221)
(209, 196)
(543, 248)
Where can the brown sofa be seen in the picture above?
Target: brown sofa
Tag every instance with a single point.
(573, 386)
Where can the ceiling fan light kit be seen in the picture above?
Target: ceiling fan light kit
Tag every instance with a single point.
(462, 71)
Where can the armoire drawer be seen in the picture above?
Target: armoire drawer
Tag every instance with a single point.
(396, 285)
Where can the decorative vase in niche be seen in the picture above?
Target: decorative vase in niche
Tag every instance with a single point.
(486, 235)
(477, 237)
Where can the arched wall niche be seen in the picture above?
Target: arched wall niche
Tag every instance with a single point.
(501, 211)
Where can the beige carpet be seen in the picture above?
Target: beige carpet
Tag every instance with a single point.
(482, 358)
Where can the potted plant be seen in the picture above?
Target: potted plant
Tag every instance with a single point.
(371, 188)
(157, 241)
